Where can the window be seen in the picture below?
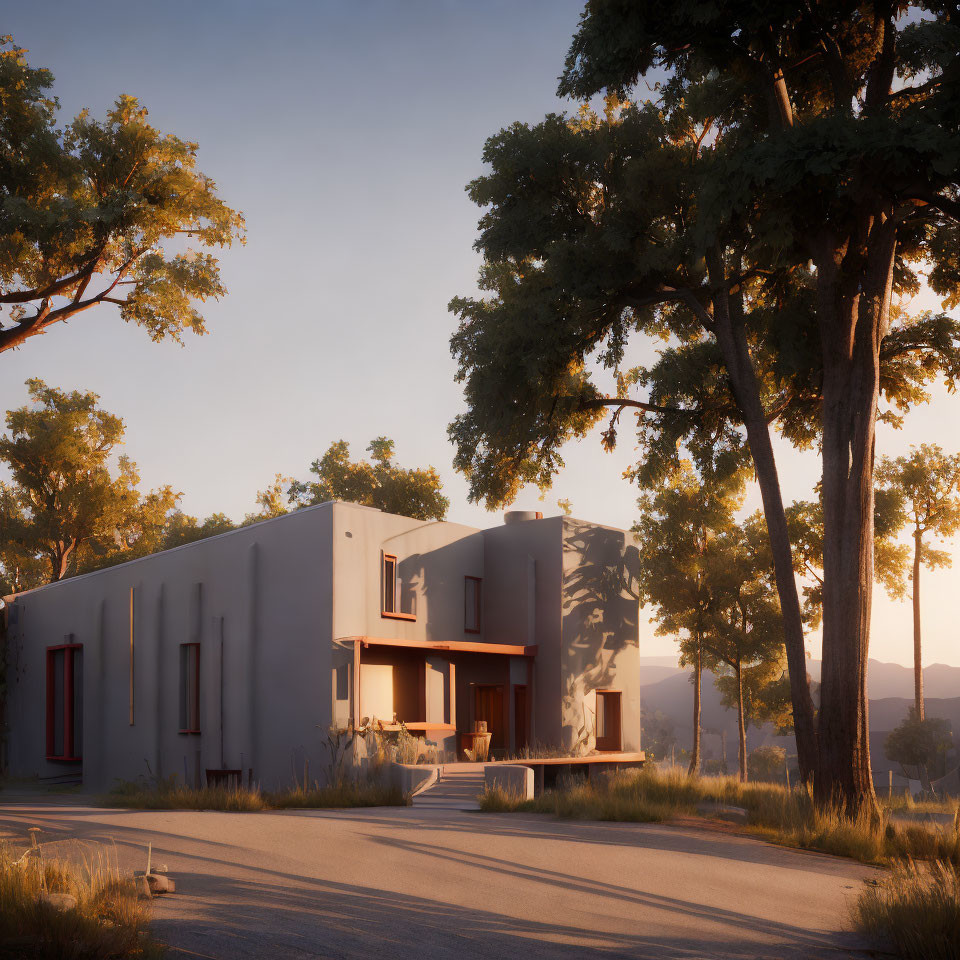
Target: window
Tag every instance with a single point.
(189, 687)
(608, 720)
(390, 606)
(471, 604)
(65, 702)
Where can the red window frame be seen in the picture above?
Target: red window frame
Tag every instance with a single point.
(70, 753)
(477, 605)
(193, 650)
(389, 604)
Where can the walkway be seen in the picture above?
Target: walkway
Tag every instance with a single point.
(414, 882)
(459, 787)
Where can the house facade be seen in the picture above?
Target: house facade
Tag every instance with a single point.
(241, 651)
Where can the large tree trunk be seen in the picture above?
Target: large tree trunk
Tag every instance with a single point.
(917, 661)
(732, 341)
(853, 303)
(741, 726)
(694, 768)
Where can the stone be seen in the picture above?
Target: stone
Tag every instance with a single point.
(160, 884)
(59, 901)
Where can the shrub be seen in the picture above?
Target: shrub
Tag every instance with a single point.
(767, 763)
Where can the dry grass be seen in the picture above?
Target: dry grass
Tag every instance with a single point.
(916, 909)
(784, 816)
(350, 793)
(169, 795)
(107, 922)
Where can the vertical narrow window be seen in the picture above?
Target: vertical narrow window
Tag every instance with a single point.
(189, 687)
(132, 611)
(65, 702)
(471, 604)
(389, 583)
(608, 720)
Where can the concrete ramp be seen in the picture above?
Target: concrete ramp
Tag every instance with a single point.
(458, 788)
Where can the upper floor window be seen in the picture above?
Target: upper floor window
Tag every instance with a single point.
(65, 702)
(390, 605)
(471, 604)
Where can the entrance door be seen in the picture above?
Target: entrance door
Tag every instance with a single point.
(488, 705)
(608, 720)
(521, 717)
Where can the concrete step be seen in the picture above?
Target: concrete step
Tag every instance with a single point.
(455, 791)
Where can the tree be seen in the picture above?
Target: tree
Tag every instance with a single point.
(745, 636)
(926, 487)
(65, 511)
(921, 744)
(182, 529)
(675, 530)
(797, 171)
(378, 482)
(95, 213)
(271, 500)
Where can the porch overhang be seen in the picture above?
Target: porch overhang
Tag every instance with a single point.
(448, 646)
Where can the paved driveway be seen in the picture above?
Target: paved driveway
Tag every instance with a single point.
(409, 883)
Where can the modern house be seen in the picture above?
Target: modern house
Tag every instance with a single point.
(241, 650)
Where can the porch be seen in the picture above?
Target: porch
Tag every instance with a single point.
(439, 689)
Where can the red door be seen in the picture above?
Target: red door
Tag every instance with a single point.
(488, 706)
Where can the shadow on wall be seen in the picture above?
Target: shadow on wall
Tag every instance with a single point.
(601, 607)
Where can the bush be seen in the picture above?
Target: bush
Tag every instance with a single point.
(767, 763)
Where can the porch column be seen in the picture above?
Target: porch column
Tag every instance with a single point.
(356, 683)
(531, 700)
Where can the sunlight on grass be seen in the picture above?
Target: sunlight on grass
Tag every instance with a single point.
(108, 919)
(916, 909)
(773, 812)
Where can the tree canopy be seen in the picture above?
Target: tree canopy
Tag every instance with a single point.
(67, 510)
(923, 489)
(100, 212)
(377, 482)
(795, 171)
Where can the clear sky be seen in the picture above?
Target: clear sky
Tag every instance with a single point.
(345, 132)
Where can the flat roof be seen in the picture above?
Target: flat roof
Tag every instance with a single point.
(453, 646)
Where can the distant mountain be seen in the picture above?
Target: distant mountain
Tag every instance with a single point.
(883, 679)
(670, 692)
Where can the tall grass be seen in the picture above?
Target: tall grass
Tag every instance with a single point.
(916, 909)
(785, 816)
(170, 795)
(108, 920)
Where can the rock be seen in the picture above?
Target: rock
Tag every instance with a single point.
(58, 901)
(158, 884)
(160, 868)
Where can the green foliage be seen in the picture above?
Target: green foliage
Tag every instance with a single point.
(110, 212)
(924, 491)
(379, 482)
(767, 763)
(65, 510)
(920, 744)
